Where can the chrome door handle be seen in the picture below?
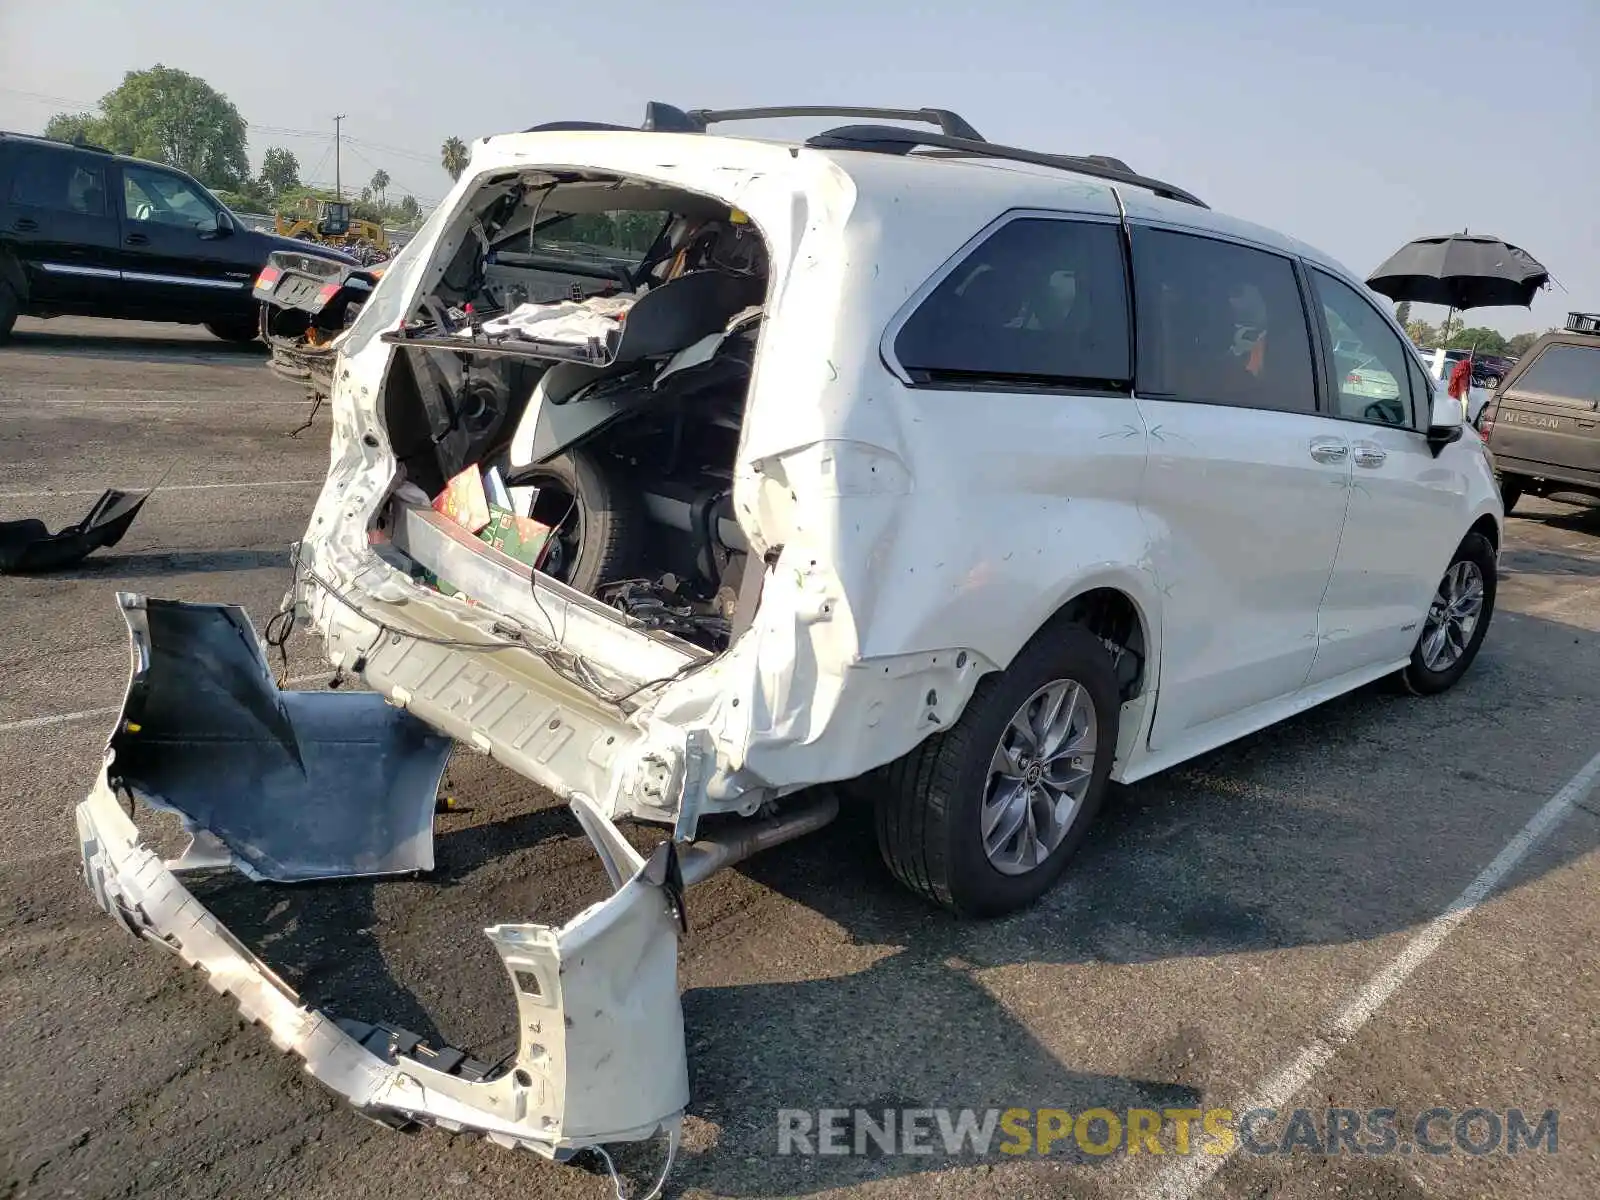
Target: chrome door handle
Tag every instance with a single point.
(1329, 450)
(1368, 455)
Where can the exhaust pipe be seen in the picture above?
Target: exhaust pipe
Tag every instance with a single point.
(700, 860)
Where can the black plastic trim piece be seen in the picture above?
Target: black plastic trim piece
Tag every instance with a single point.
(950, 124)
(890, 139)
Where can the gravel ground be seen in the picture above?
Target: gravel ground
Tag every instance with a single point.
(1216, 922)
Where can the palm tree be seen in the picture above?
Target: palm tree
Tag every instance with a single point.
(453, 156)
(380, 184)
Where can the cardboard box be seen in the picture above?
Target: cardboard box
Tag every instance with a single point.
(521, 538)
(463, 501)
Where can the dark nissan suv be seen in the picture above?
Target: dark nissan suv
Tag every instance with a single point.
(84, 232)
(1543, 425)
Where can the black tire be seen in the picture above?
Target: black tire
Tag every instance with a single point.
(10, 306)
(930, 803)
(1510, 492)
(1417, 677)
(240, 331)
(599, 520)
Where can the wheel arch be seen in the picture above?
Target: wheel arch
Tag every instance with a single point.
(1489, 526)
(1120, 608)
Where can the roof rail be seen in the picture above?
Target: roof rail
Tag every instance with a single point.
(949, 123)
(664, 118)
(889, 139)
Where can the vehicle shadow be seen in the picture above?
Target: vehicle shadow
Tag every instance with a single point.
(132, 348)
(155, 564)
(1580, 518)
(399, 951)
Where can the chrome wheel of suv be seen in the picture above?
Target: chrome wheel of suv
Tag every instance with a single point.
(1452, 616)
(1039, 775)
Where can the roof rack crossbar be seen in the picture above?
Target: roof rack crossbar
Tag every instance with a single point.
(888, 139)
(951, 124)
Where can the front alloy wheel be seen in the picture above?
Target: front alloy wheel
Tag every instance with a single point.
(1038, 777)
(1457, 619)
(1453, 616)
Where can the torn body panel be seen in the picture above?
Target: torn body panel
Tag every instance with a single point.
(302, 786)
(28, 546)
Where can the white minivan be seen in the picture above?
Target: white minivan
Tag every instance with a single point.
(963, 477)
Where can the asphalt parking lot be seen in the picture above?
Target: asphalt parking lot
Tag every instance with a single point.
(1260, 928)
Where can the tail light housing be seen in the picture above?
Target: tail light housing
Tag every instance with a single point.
(267, 279)
(1486, 420)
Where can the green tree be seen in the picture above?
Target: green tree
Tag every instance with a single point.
(280, 170)
(1519, 344)
(71, 127)
(408, 210)
(1402, 313)
(380, 184)
(172, 117)
(1478, 338)
(1422, 335)
(453, 156)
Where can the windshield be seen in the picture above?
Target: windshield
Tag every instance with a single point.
(1564, 372)
(618, 236)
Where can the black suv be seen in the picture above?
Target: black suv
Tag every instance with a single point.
(84, 232)
(1543, 425)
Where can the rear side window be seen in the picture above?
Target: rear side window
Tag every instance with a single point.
(1563, 372)
(58, 180)
(1220, 324)
(1040, 303)
(1373, 375)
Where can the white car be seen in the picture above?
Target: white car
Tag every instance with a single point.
(906, 462)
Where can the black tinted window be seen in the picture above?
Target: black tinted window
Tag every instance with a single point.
(1220, 324)
(57, 179)
(1040, 301)
(1372, 369)
(1563, 372)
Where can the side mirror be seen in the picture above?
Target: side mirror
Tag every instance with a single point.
(1445, 421)
(223, 228)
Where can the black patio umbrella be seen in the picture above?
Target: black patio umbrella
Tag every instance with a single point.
(1459, 271)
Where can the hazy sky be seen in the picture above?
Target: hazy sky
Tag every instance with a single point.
(1355, 125)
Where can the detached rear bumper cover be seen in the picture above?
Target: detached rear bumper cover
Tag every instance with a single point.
(600, 1055)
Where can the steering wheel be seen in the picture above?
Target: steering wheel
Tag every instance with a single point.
(1387, 411)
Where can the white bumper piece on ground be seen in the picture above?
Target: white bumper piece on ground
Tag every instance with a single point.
(297, 785)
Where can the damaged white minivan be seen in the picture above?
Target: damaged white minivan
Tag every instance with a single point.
(713, 482)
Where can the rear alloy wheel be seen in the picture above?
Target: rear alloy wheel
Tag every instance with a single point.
(982, 818)
(1457, 620)
(9, 307)
(235, 331)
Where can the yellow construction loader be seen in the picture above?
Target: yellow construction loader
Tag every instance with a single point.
(330, 223)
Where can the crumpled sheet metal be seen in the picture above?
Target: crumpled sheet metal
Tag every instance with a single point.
(296, 785)
(600, 1054)
(27, 546)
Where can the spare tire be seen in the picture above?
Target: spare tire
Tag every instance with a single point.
(598, 520)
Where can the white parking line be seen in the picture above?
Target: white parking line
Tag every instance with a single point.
(1182, 1178)
(165, 487)
(85, 714)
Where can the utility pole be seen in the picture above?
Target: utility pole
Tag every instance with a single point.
(338, 189)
